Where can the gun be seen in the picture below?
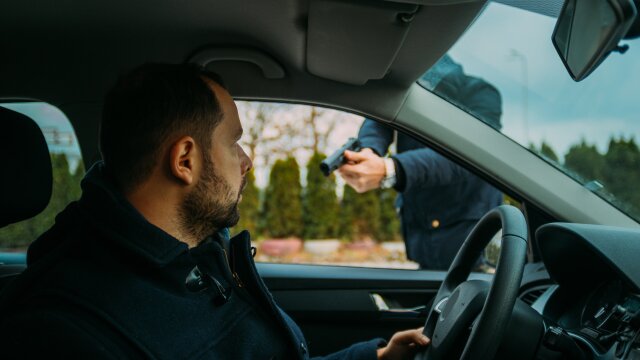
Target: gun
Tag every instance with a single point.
(336, 159)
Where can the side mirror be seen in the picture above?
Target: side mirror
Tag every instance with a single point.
(588, 30)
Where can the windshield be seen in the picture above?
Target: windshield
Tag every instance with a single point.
(588, 129)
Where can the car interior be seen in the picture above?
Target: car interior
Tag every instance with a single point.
(567, 285)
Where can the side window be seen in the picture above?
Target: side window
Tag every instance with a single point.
(298, 215)
(67, 166)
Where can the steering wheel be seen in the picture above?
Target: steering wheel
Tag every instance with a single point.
(458, 302)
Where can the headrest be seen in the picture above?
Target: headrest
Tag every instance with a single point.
(26, 177)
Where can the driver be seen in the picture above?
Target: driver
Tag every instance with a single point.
(141, 266)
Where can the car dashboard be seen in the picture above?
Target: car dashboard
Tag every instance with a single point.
(596, 301)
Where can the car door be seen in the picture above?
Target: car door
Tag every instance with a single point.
(336, 306)
(345, 283)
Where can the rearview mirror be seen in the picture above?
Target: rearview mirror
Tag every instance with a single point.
(588, 30)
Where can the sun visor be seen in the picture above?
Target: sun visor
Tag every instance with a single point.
(355, 41)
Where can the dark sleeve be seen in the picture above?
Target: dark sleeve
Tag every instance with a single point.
(365, 350)
(426, 168)
(401, 180)
(376, 136)
(42, 334)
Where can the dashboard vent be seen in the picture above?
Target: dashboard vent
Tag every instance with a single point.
(531, 295)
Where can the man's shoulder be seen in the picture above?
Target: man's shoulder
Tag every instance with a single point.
(76, 266)
(70, 303)
(53, 331)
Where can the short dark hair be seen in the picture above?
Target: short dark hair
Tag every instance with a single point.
(149, 105)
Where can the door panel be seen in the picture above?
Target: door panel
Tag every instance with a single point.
(337, 306)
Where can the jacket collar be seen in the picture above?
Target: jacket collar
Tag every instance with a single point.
(109, 211)
(105, 209)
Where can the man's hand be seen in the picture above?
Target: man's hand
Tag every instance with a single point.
(363, 171)
(403, 345)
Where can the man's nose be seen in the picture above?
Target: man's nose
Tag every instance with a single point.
(247, 164)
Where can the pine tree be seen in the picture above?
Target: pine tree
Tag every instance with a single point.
(249, 208)
(320, 203)
(547, 151)
(347, 214)
(622, 174)
(283, 205)
(389, 222)
(585, 161)
(360, 215)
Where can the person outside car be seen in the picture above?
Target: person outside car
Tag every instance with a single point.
(439, 202)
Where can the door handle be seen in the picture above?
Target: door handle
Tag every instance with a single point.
(398, 312)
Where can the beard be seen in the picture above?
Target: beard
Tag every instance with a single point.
(211, 206)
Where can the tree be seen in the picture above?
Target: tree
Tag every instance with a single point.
(585, 161)
(283, 205)
(547, 151)
(348, 213)
(320, 203)
(622, 173)
(259, 119)
(359, 215)
(249, 207)
(389, 222)
(319, 134)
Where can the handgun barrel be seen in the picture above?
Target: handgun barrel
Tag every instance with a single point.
(336, 159)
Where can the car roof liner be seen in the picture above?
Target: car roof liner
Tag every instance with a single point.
(251, 44)
(357, 41)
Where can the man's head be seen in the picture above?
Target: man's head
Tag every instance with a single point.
(175, 128)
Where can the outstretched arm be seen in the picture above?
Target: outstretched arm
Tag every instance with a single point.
(375, 136)
(425, 168)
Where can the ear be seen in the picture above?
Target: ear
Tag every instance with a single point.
(183, 160)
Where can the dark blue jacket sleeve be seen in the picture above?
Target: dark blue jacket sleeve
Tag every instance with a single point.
(376, 136)
(426, 168)
(420, 166)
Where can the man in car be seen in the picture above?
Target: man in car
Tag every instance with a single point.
(140, 266)
(439, 202)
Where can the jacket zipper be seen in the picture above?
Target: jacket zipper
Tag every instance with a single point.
(232, 269)
(275, 311)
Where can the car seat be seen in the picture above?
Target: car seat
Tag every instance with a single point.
(26, 181)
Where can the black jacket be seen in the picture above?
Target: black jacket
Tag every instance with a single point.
(104, 283)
